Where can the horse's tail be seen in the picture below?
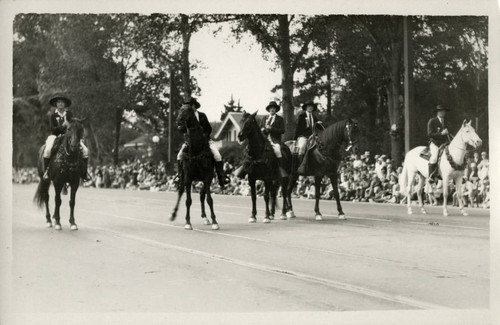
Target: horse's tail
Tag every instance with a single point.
(403, 179)
(42, 193)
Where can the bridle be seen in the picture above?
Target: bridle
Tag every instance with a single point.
(349, 127)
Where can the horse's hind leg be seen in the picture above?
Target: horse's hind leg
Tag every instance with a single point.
(420, 188)
(284, 192)
(74, 188)
(47, 210)
(57, 221)
(268, 185)
(203, 193)
(210, 201)
(291, 184)
(272, 199)
(317, 184)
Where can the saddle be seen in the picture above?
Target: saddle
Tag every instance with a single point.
(426, 153)
(313, 158)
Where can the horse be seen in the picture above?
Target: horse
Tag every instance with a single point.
(197, 165)
(64, 167)
(324, 159)
(451, 166)
(261, 164)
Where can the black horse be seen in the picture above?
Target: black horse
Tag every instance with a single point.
(197, 165)
(324, 159)
(261, 164)
(65, 167)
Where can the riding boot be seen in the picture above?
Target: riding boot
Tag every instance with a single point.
(45, 166)
(220, 174)
(281, 164)
(432, 170)
(85, 175)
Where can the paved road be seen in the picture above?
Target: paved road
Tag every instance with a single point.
(127, 256)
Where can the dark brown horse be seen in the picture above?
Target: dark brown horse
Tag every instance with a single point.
(197, 165)
(65, 167)
(324, 159)
(261, 164)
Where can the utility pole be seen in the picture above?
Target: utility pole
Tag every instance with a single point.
(409, 110)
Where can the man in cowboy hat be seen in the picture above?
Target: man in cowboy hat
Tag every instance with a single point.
(306, 126)
(58, 124)
(207, 130)
(437, 131)
(273, 126)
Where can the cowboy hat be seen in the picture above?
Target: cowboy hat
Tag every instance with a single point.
(53, 100)
(194, 102)
(441, 108)
(273, 104)
(304, 107)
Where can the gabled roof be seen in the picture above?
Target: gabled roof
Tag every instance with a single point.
(143, 140)
(233, 118)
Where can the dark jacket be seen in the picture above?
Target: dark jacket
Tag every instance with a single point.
(56, 122)
(277, 128)
(434, 128)
(303, 130)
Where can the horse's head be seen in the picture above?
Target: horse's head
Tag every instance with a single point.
(248, 125)
(351, 135)
(74, 134)
(469, 136)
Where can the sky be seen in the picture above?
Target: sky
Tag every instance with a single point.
(231, 68)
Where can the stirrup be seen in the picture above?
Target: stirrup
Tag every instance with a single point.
(46, 174)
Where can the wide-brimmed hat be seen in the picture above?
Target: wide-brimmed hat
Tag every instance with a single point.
(194, 102)
(273, 104)
(304, 107)
(441, 108)
(53, 100)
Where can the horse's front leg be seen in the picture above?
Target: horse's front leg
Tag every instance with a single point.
(74, 188)
(445, 195)
(317, 185)
(336, 195)
(210, 201)
(47, 209)
(460, 194)
(57, 218)
(420, 188)
(180, 191)
(284, 192)
(273, 199)
(268, 186)
(203, 193)
(188, 206)
(253, 194)
(292, 180)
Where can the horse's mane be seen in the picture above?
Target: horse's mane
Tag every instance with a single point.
(334, 133)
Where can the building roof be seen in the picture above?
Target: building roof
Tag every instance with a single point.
(232, 118)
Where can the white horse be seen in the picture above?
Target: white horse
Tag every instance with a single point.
(451, 166)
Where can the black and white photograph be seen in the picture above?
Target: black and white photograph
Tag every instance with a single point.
(249, 163)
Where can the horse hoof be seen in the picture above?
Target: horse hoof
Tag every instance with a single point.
(319, 217)
(172, 216)
(57, 227)
(290, 214)
(445, 213)
(73, 227)
(188, 227)
(215, 226)
(271, 217)
(409, 211)
(341, 216)
(252, 220)
(206, 221)
(266, 220)
(48, 224)
(423, 211)
(283, 217)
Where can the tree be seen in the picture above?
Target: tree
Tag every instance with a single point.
(287, 38)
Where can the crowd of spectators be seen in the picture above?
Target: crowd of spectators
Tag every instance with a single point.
(362, 178)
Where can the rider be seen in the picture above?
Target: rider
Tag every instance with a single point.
(306, 124)
(58, 125)
(437, 131)
(273, 126)
(207, 130)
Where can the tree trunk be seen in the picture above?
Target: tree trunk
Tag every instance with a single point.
(396, 116)
(186, 37)
(286, 76)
